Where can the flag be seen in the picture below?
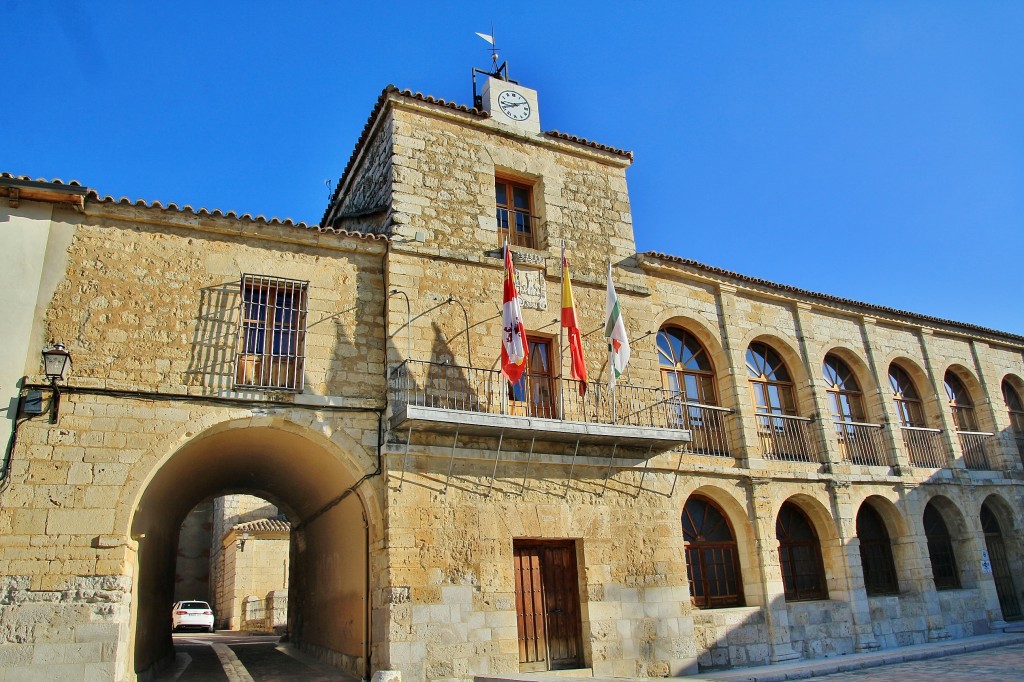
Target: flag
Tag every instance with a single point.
(577, 368)
(486, 37)
(615, 332)
(513, 335)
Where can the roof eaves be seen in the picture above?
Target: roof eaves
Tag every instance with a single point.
(697, 265)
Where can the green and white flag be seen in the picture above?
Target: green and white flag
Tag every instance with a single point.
(615, 332)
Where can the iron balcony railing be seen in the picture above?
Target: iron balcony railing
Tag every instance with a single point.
(519, 227)
(924, 447)
(861, 443)
(785, 437)
(976, 446)
(453, 387)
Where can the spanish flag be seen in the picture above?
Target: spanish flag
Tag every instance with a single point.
(577, 369)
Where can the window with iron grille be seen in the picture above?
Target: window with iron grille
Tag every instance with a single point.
(271, 333)
(940, 550)
(712, 560)
(803, 572)
(876, 553)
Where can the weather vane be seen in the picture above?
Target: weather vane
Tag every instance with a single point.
(497, 71)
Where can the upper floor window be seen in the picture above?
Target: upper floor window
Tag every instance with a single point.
(1015, 407)
(803, 572)
(960, 403)
(686, 369)
(940, 550)
(514, 208)
(769, 381)
(905, 397)
(272, 333)
(876, 553)
(712, 560)
(532, 394)
(844, 395)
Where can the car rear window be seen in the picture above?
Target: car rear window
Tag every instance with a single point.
(194, 605)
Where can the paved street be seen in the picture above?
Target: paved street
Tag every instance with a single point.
(231, 657)
(1001, 664)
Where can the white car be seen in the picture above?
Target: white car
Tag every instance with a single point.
(192, 614)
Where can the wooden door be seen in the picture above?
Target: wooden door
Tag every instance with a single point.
(547, 605)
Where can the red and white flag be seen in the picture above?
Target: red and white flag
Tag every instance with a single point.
(513, 333)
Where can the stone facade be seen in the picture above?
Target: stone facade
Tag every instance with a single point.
(424, 501)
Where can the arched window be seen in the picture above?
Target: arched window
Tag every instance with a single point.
(803, 572)
(1015, 407)
(712, 560)
(844, 395)
(686, 369)
(876, 553)
(906, 398)
(769, 381)
(940, 550)
(960, 403)
(1002, 575)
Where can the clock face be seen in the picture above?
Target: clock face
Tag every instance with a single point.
(514, 105)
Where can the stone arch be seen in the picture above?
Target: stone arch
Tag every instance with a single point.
(931, 402)
(976, 392)
(829, 541)
(865, 378)
(903, 554)
(735, 511)
(303, 470)
(963, 541)
(795, 365)
(720, 361)
(1005, 555)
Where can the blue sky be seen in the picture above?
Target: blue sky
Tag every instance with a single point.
(870, 150)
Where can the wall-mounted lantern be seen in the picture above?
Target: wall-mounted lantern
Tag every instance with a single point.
(56, 365)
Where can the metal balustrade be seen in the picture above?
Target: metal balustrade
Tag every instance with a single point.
(924, 447)
(976, 446)
(861, 443)
(519, 227)
(453, 387)
(785, 437)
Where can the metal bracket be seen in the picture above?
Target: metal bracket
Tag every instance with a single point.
(526, 473)
(497, 456)
(451, 461)
(609, 469)
(405, 460)
(571, 467)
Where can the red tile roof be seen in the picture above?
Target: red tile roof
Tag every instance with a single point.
(926, 319)
(263, 526)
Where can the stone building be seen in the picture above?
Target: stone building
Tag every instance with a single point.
(779, 474)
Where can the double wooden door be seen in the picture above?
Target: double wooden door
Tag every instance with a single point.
(547, 605)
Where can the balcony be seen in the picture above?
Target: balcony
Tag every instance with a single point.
(786, 438)
(977, 446)
(924, 447)
(861, 443)
(441, 397)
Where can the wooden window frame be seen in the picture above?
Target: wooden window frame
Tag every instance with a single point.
(529, 379)
(941, 555)
(840, 388)
(961, 405)
(876, 557)
(674, 366)
(712, 593)
(271, 333)
(1014, 407)
(908, 403)
(761, 384)
(795, 568)
(505, 212)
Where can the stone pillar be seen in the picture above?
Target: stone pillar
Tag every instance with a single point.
(822, 410)
(917, 576)
(744, 428)
(776, 613)
(940, 398)
(881, 395)
(849, 549)
(1004, 452)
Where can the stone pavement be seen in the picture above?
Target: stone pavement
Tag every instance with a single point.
(986, 658)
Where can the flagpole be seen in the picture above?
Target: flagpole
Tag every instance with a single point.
(611, 358)
(561, 341)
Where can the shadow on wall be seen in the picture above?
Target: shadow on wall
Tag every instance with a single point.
(215, 339)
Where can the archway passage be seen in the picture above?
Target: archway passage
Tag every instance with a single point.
(328, 586)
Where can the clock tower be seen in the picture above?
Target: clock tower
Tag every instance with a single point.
(511, 104)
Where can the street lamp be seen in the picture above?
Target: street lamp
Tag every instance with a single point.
(56, 364)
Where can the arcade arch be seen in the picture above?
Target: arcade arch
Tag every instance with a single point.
(308, 477)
